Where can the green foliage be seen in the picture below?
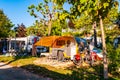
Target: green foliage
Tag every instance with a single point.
(56, 28)
(42, 9)
(111, 18)
(37, 29)
(12, 33)
(5, 25)
(113, 56)
(53, 16)
(76, 34)
(84, 12)
(83, 22)
(89, 7)
(112, 33)
(114, 60)
(41, 29)
(67, 34)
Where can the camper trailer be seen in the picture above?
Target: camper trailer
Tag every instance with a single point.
(59, 46)
(23, 43)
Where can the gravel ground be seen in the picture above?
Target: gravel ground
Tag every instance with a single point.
(54, 63)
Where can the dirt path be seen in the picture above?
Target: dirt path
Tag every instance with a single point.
(8, 72)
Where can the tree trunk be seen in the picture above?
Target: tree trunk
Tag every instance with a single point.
(49, 28)
(104, 50)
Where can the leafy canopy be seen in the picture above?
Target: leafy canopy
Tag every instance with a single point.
(51, 15)
(5, 25)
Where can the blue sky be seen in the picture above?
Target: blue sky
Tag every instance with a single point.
(16, 11)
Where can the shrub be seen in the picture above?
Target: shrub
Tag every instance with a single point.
(114, 59)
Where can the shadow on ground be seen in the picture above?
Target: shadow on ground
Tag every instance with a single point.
(77, 73)
(14, 73)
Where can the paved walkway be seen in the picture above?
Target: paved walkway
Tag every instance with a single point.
(8, 72)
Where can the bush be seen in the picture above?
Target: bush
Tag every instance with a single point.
(114, 59)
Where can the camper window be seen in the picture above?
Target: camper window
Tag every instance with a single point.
(60, 42)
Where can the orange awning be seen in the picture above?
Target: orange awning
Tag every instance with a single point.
(54, 41)
(46, 41)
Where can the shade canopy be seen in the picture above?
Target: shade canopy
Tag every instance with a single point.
(54, 41)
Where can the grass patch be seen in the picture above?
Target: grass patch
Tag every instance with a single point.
(6, 59)
(18, 61)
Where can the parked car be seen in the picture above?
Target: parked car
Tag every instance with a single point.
(41, 49)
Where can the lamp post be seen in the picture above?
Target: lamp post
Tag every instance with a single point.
(95, 34)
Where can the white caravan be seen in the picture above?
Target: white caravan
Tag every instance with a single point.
(22, 43)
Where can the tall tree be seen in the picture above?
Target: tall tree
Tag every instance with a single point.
(20, 30)
(45, 11)
(98, 9)
(5, 25)
(48, 13)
